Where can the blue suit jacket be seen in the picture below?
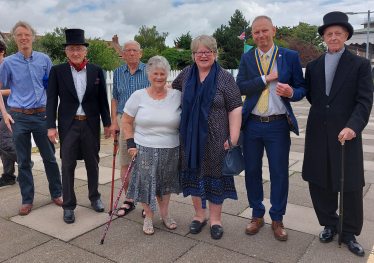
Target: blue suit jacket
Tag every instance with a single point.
(251, 84)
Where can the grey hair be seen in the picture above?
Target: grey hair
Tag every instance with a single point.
(25, 25)
(131, 42)
(208, 41)
(262, 17)
(84, 47)
(157, 62)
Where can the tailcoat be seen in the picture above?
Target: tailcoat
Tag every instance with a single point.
(348, 105)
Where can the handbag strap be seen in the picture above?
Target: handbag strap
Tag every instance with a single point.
(230, 144)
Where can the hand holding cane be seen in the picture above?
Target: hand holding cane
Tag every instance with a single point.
(116, 203)
(341, 198)
(115, 149)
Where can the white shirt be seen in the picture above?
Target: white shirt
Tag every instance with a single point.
(276, 106)
(80, 83)
(156, 121)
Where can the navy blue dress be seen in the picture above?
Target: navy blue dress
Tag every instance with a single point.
(208, 182)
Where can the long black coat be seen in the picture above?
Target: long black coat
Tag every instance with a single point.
(94, 102)
(348, 105)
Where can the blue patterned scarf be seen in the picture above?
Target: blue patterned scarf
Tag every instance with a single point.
(197, 100)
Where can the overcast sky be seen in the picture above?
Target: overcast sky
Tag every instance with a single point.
(105, 18)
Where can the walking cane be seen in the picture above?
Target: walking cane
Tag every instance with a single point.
(341, 199)
(116, 203)
(115, 149)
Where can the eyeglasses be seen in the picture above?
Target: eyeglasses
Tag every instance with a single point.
(128, 50)
(25, 35)
(201, 53)
(78, 49)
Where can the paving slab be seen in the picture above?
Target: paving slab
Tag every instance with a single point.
(296, 156)
(105, 174)
(368, 148)
(16, 239)
(57, 251)
(298, 167)
(366, 237)
(297, 148)
(41, 184)
(200, 252)
(11, 201)
(369, 176)
(49, 220)
(108, 162)
(330, 252)
(367, 136)
(262, 246)
(369, 165)
(162, 246)
(297, 179)
(297, 195)
(368, 210)
(299, 218)
(370, 193)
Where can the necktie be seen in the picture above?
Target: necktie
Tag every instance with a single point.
(263, 102)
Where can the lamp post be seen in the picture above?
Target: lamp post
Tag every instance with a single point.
(368, 29)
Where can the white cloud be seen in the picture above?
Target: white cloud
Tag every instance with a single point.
(100, 18)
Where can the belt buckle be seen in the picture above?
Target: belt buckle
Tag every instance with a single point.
(265, 119)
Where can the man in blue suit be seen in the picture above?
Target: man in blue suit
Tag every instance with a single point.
(270, 77)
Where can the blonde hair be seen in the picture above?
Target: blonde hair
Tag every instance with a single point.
(25, 25)
(208, 41)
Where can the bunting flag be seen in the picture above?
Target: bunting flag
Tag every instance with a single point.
(358, 53)
(242, 36)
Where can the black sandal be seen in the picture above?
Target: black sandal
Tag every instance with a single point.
(143, 214)
(126, 210)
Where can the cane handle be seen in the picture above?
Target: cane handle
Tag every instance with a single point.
(343, 142)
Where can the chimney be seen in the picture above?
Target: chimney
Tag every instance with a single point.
(115, 39)
(176, 46)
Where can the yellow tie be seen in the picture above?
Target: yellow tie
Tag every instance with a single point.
(263, 102)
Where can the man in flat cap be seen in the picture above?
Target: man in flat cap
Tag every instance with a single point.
(81, 88)
(340, 91)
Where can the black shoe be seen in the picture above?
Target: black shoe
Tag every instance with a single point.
(98, 205)
(356, 248)
(69, 216)
(196, 226)
(216, 231)
(4, 182)
(327, 235)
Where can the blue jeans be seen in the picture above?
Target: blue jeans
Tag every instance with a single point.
(22, 127)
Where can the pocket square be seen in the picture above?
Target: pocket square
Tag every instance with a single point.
(97, 81)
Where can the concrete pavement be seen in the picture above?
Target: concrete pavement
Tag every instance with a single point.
(42, 236)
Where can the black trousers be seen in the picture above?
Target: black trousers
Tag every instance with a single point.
(79, 136)
(7, 151)
(325, 203)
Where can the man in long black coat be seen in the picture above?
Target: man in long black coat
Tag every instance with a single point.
(340, 91)
(81, 88)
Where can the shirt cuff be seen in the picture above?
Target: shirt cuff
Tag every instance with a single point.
(263, 79)
(291, 95)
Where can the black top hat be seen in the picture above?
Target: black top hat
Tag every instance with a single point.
(75, 37)
(336, 19)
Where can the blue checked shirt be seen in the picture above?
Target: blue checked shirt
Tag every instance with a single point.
(25, 79)
(125, 84)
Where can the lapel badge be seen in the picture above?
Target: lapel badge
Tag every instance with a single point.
(280, 55)
(97, 81)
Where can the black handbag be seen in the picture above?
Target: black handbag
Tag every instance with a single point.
(233, 160)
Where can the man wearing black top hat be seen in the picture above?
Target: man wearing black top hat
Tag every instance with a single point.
(340, 91)
(81, 88)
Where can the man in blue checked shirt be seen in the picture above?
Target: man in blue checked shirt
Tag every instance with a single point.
(126, 80)
(24, 72)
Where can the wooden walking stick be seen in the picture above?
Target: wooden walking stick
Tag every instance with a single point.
(115, 149)
(341, 198)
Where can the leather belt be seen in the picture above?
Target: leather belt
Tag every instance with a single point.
(81, 118)
(28, 111)
(267, 119)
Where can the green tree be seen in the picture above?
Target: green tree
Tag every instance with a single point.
(151, 38)
(51, 42)
(184, 41)
(227, 39)
(12, 47)
(172, 56)
(148, 53)
(308, 34)
(99, 53)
